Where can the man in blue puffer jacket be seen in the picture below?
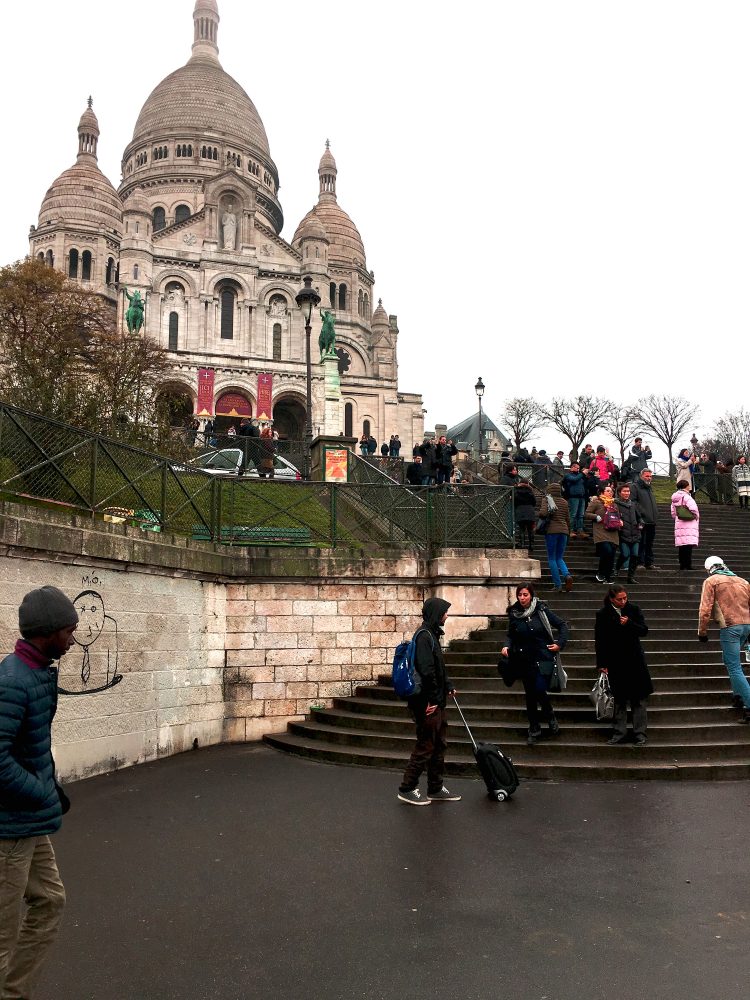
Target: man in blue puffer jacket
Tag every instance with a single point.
(31, 801)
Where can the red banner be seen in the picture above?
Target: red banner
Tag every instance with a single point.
(204, 406)
(264, 409)
(233, 404)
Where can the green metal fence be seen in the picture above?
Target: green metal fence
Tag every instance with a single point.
(48, 462)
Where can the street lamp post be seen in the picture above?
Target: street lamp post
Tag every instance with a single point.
(694, 442)
(308, 299)
(479, 390)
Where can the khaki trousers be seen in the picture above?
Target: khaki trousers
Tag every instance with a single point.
(28, 873)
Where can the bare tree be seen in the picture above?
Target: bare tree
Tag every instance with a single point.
(732, 433)
(576, 418)
(666, 417)
(623, 423)
(522, 416)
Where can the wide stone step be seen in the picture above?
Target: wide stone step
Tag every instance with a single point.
(620, 763)
(582, 682)
(494, 725)
(515, 695)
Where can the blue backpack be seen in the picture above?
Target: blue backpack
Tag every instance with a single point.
(406, 679)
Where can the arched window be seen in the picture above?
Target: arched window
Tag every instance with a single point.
(86, 265)
(360, 301)
(367, 306)
(227, 299)
(135, 272)
(159, 219)
(366, 427)
(277, 341)
(50, 259)
(348, 420)
(181, 213)
(333, 295)
(110, 271)
(174, 326)
(73, 264)
(40, 256)
(342, 296)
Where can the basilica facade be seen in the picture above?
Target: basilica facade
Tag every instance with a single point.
(195, 228)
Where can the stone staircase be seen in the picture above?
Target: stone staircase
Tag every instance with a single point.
(694, 732)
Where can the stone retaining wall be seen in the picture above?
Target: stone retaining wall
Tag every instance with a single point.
(219, 644)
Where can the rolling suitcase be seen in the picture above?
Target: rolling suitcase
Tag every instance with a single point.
(500, 776)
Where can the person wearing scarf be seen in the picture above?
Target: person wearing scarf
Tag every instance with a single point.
(606, 540)
(619, 628)
(725, 597)
(530, 654)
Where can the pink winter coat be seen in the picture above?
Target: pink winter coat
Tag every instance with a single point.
(685, 532)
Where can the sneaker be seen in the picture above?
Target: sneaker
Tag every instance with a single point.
(746, 716)
(640, 741)
(610, 581)
(614, 741)
(413, 798)
(568, 583)
(443, 796)
(737, 702)
(534, 736)
(554, 726)
(600, 579)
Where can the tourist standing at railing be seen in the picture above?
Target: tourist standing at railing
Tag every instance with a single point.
(600, 513)
(444, 453)
(741, 480)
(587, 456)
(267, 450)
(707, 476)
(372, 445)
(686, 518)
(643, 495)
(414, 471)
(640, 455)
(232, 431)
(603, 464)
(575, 492)
(364, 446)
(524, 510)
(395, 446)
(384, 450)
(510, 476)
(429, 462)
(685, 466)
(724, 480)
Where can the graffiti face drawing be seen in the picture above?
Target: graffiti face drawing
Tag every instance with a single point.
(90, 608)
(92, 621)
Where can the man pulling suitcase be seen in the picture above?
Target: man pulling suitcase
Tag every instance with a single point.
(428, 710)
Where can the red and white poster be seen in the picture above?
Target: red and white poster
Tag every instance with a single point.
(205, 404)
(264, 409)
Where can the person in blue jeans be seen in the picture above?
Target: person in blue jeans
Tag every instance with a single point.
(555, 506)
(575, 492)
(725, 597)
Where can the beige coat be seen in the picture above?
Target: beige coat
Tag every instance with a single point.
(596, 508)
(683, 472)
(726, 599)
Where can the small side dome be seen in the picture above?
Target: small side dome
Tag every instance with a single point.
(310, 229)
(380, 316)
(82, 195)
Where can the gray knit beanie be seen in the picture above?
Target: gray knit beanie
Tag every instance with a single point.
(45, 611)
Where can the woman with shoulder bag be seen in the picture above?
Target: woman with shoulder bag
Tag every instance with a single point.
(531, 651)
(619, 628)
(686, 517)
(555, 508)
(603, 514)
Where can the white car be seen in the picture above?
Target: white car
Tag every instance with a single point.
(228, 462)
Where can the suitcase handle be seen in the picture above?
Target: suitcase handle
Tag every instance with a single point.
(471, 736)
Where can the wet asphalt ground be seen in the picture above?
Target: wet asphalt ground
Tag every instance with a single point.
(237, 872)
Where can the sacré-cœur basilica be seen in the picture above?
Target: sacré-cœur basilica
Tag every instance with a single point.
(195, 228)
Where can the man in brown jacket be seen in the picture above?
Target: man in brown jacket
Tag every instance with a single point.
(726, 598)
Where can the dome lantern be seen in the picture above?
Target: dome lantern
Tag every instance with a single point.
(88, 132)
(206, 22)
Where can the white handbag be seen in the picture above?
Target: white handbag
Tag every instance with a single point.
(602, 700)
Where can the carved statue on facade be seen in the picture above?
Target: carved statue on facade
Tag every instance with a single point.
(327, 338)
(229, 228)
(135, 312)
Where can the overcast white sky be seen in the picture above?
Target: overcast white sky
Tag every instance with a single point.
(552, 194)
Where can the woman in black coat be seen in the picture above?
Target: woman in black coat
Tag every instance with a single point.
(619, 628)
(530, 654)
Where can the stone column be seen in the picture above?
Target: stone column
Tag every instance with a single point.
(332, 416)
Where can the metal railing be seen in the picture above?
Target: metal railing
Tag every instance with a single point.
(54, 464)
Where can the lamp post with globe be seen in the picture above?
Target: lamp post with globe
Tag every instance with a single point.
(308, 299)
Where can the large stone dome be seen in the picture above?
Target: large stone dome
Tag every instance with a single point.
(201, 99)
(82, 195)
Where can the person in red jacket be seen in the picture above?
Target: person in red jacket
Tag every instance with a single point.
(605, 466)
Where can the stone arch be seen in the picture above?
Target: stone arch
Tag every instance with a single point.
(178, 399)
(357, 355)
(182, 212)
(289, 413)
(228, 277)
(276, 287)
(166, 277)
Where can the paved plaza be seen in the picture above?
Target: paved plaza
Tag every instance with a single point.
(237, 872)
